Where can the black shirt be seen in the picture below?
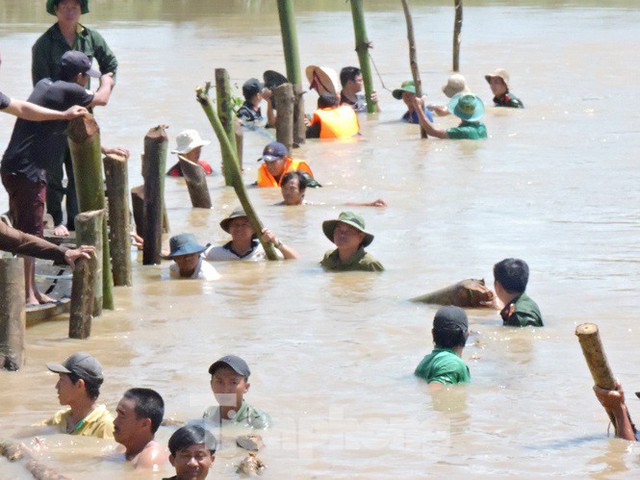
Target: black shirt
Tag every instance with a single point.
(34, 145)
(4, 101)
(246, 113)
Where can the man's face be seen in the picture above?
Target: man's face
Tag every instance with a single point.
(68, 11)
(291, 192)
(67, 391)
(347, 237)
(357, 84)
(192, 463)
(407, 98)
(228, 386)
(276, 167)
(497, 85)
(187, 263)
(240, 229)
(127, 426)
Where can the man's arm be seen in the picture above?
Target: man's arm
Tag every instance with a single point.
(428, 127)
(614, 404)
(36, 113)
(101, 97)
(287, 252)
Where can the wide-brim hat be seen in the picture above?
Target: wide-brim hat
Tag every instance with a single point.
(467, 106)
(273, 79)
(187, 140)
(184, 244)
(324, 80)
(499, 73)
(455, 84)
(407, 86)
(84, 6)
(237, 212)
(350, 218)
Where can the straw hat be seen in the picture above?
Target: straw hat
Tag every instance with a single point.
(467, 107)
(187, 140)
(350, 218)
(322, 79)
(499, 73)
(84, 6)
(455, 84)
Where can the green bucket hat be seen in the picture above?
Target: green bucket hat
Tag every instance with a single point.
(350, 218)
(467, 107)
(407, 86)
(84, 6)
(236, 213)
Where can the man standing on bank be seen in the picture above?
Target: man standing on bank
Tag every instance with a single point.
(68, 34)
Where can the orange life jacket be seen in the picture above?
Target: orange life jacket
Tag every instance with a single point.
(336, 122)
(265, 179)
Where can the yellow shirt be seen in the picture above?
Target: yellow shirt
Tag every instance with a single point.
(99, 423)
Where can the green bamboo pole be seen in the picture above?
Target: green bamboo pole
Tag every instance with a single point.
(362, 47)
(83, 135)
(226, 115)
(413, 56)
(233, 167)
(292, 60)
(457, 28)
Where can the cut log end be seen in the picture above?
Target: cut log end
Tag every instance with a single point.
(82, 128)
(157, 133)
(114, 157)
(586, 329)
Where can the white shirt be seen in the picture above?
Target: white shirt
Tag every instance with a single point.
(204, 270)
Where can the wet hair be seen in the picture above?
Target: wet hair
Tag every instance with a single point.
(449, 338)
(149, 404)
(326, 100)
(513, 274)
(302, 181)
(190, 435)
(349, 73)
(92, 386)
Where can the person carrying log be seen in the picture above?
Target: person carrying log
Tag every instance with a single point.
(614, 404)
(33, 145)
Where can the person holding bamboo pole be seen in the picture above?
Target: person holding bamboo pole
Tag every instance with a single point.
(352, 85)
(614, 404)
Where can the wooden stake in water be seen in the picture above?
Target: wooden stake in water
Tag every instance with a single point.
(233, 167)
(82, 297)
(154, 165)
(413, 57)
(457, 29)
(88, 232)
(196, 180)
(362, 48)
(12, 313)
(285, 101)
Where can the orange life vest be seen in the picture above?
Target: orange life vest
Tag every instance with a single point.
(336, 122)
(265, 179)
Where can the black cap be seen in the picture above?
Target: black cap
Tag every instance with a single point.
(451, 318)
(236, 364)
(81, 364)
(251, 87)
(74, 62)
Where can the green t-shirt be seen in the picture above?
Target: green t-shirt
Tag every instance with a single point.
(522, 312)
(247, 416)
(443, 366)
(360, 260)
(468, 130)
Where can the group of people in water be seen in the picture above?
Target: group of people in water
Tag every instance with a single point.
(31, 171)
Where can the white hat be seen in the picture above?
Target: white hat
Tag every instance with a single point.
(187, 140)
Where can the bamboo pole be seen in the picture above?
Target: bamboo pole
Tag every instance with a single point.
(12, 313)
(196, 183)
(83, 134)
(292, 60)
(362, 48)
(285, 99)
(457, 29)
(88, 225)
(233, 167)
(413, 57)
(225, 113)
(82, 297)
(593, 351)
(239, 142)
(115, 169)
(154, 165)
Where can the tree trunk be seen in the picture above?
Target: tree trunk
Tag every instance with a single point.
(284, 99)
(82, 298)
(154, 166)
(88, 228)
(196, 180)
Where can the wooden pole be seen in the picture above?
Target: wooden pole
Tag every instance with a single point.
(362, 48)
(82, 297)
(413, 57)
(115, 169)
(240, 142)
(84, 143)
(225, 113)
(196, 180)
(593, 351)
(292, 60)
(154, 165)
(285, 99)
(233, 167)
(12, 313)
(457, 29)
(88, 227)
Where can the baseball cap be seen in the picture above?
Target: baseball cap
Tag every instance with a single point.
(74, 62)
(451, 318)
(81, 364)
(251, 87)
(274, 151)
(234, 362)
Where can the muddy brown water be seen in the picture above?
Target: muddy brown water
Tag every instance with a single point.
(332, 356)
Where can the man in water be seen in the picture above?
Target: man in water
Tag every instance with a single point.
(511, 276)
(138, 417)
(467, 107)
(193, 451)
(352, 85)
(499, 84)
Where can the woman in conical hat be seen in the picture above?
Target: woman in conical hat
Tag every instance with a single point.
(323, 80)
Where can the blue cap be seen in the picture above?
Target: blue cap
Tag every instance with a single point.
(274, 151)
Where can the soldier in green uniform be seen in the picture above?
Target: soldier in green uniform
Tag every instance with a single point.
(499, 83)
(444, 364)
(511, 277)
